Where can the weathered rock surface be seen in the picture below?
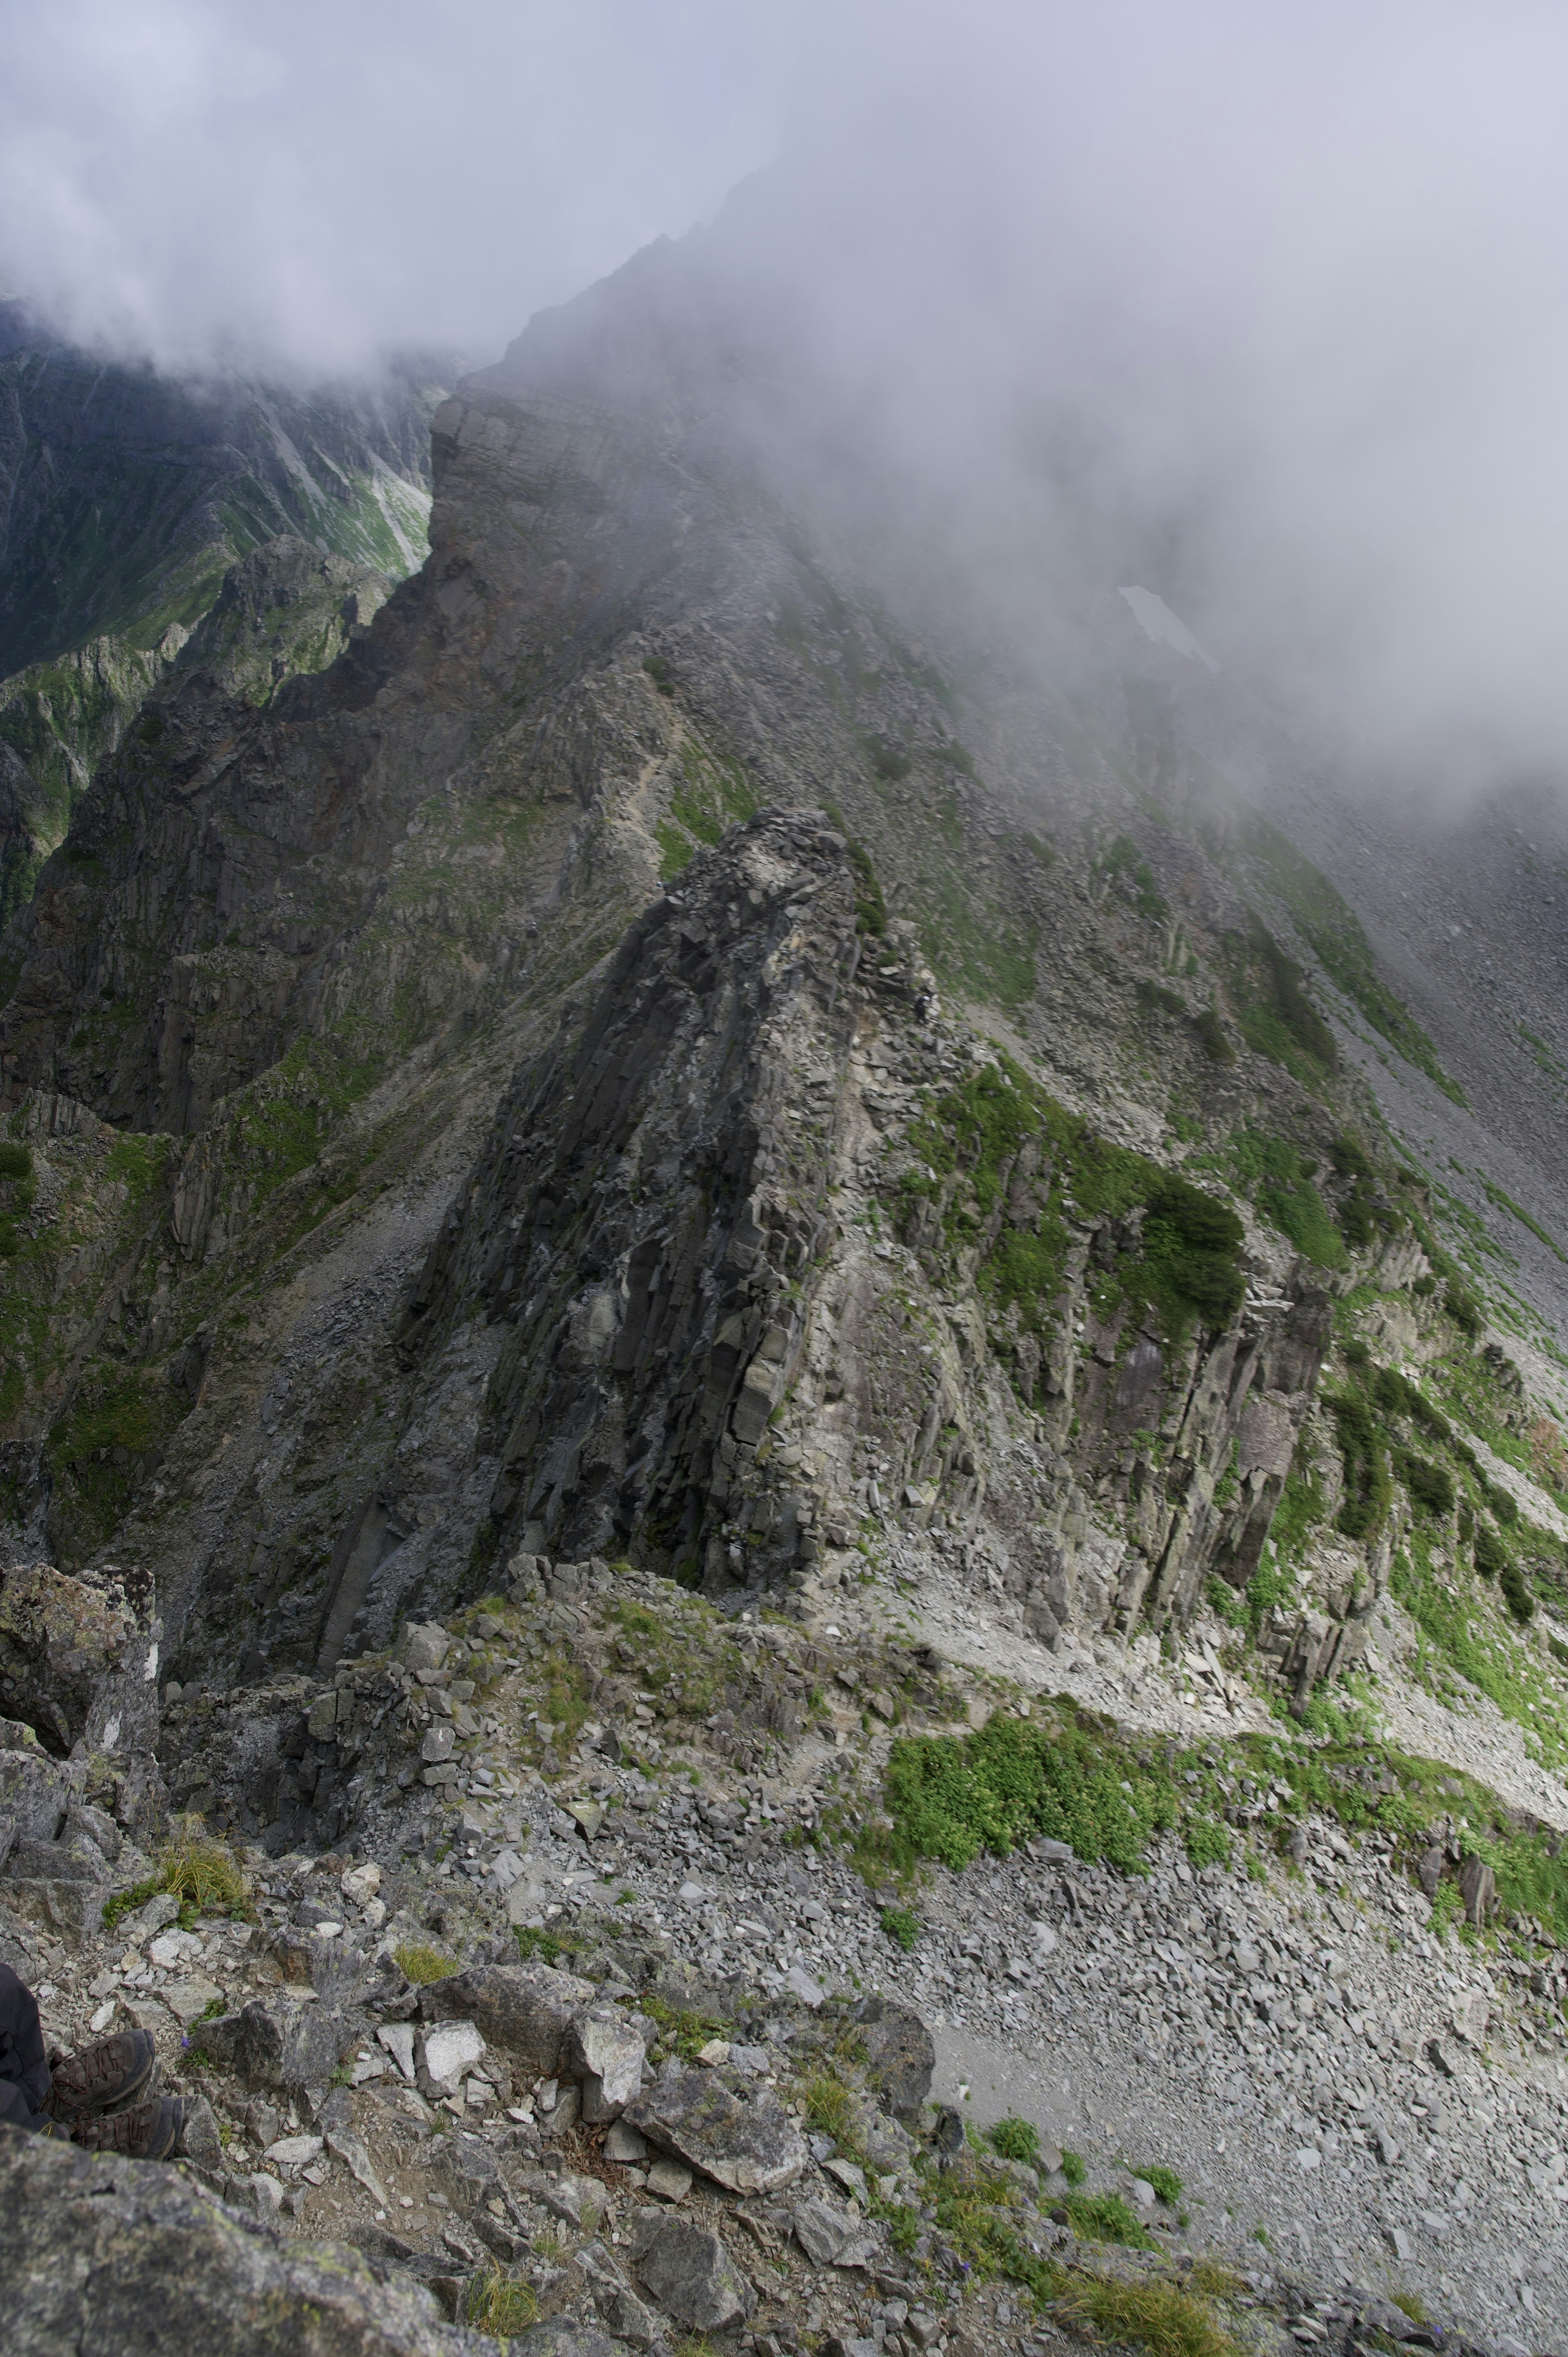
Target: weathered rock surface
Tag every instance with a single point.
(524, 2011)
(279, 2042)
(900, 2056)
(690, 2273)
(111, 2258)
(751, 2145)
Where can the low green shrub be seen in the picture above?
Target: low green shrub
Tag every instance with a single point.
(203, 1873)
(1014, 2139)
(419, 1963)
(901, 1926)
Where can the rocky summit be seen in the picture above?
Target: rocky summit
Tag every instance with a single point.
(782, 1427)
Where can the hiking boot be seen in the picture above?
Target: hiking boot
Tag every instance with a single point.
(151, 2132)
(101, 2076)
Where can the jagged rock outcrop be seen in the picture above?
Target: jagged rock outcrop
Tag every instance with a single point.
(653, 1208)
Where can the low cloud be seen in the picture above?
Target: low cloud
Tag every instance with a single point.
(1261, 305)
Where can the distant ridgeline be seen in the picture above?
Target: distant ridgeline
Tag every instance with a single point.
(127, 501)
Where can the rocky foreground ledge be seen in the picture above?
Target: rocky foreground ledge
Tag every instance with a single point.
(667, 2182)
(539, 2012)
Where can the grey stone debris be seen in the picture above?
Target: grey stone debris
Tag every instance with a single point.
(830, 2234)
(559, 2336)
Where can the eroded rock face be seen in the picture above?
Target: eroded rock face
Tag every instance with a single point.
(79, 1657)
(110, 2258)
(649, 1197)
(595, 1132)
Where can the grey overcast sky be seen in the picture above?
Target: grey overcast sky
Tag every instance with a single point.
(1291, 273)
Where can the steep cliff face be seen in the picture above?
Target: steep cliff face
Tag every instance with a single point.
(962, 1187)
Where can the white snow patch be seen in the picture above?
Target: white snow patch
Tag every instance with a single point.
(1156, 621)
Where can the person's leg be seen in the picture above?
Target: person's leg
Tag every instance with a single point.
(15, 2112)
(24, 2063)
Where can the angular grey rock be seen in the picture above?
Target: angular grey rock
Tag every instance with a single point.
(749, 2148)
(423, 1645)
(899, 2054)
(630, 2320)
(116, 2258)
(690, 2273)
(831, 2236)
(607, 2054)
(279, 2041)
(469, 2167)
(200, 2140)
(346, 2147)
(524, 2011)
(886, 2144)
(1478, 1889)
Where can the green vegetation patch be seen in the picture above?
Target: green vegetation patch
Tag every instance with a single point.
(1327, 920)
(1505, 1203)
(711, 795)
(110, 1438)
(421, 1964)
(1014, 1781)
(1014, 2139)
(1280, 1181)
(203, 1874)
(1006, 1166)
(1122, 860)
(1277, 1017)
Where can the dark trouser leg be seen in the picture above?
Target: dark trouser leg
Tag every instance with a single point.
(24, 2065)
(16, 2111)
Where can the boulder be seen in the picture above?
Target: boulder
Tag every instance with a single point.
(629, 2320)
(118, 2258)
(690, 2276)
(749, 2146)
(900, 2055)
(524, 2011)
(605, 2051)
(279, 2040)
(423, 1645)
